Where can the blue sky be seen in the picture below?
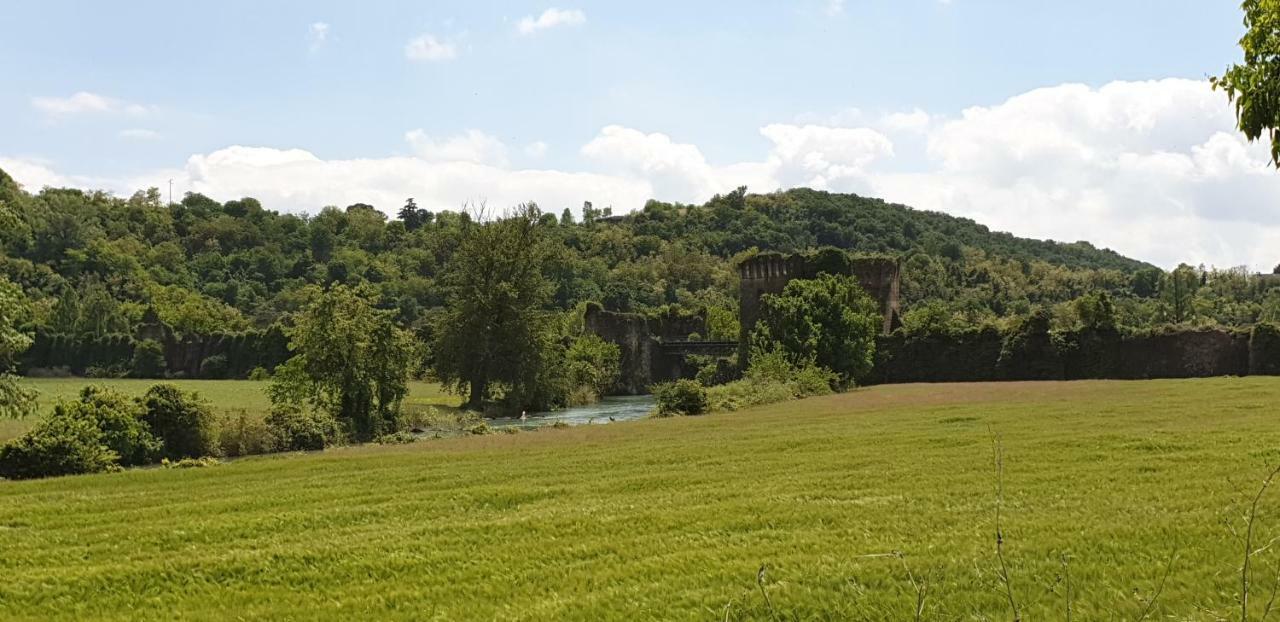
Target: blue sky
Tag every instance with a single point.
(310, 103)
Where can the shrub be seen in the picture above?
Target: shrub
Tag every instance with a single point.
(148, 359)
(295, 429)
(214, 367)
(682, 397)
(243, 435)
(190, 463)
(396, 438)
(480, 429)
(182, 421)
(259, 373)
(120, 421)
(57, 446)
(105, 371)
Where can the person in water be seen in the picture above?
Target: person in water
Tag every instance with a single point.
(524, 416)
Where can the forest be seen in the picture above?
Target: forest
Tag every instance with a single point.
(93, 264)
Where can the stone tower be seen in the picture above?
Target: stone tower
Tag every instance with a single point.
(769, 273)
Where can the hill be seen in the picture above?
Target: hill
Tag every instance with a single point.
(803, 218)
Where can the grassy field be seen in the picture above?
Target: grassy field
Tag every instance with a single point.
(225, 395)
(672, 519)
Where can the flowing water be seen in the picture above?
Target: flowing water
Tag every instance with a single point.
(608, 410)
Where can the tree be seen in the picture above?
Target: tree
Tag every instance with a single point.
(1276, 270)
(15, 310)
(828, 321)
(496, 332)
(352, 362)
(1178, 292)
(413, 216)
(1254, 86)
(1096, 311)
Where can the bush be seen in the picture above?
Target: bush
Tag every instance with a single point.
(396, 438)
(148, 359)
(214, 367)
(57, 446)
(190, 463)
(243, 435)
(295, 429)
(182, 421)
(682, 397)
(119, 418)
(105, 371)
(260, 374)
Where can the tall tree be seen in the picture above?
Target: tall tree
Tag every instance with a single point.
(15, 310)
(494, 333)
(1254, 85)
(1178, 292)
(352, 362)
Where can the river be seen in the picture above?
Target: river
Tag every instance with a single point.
(608, 410)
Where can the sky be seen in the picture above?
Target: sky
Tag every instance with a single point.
(1088, 120)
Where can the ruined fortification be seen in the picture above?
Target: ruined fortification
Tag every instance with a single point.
(769, 273)
(653, 348)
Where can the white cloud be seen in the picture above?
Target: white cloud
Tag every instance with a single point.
(427, 48)
(138, 133)
(317, 35)
(916, 121)
(1154, 170)
(536, 149)
(32, 174)
(551, 18)
(470, 146)
(84, 102)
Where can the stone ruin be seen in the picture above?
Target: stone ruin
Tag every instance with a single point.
(656, 348)
(769, 273)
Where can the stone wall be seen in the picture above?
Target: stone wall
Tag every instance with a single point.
(984, 355)
(652, 348)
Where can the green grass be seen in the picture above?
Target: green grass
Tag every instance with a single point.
(225, 395)
(671, 519)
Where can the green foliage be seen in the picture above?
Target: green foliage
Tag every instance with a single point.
(297, 429)
(1178, 291)
(680, 398)
(352, 363)
(15, 309)
(1029, 351)
(242, 434)
(184, 422)
(1254, 86)
(496, 333)
(120, 419)
(259, 374)
(148, 359)
(58, 445)
(1096, 312)
(772, 378)
(594, 364)
(828, 321)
